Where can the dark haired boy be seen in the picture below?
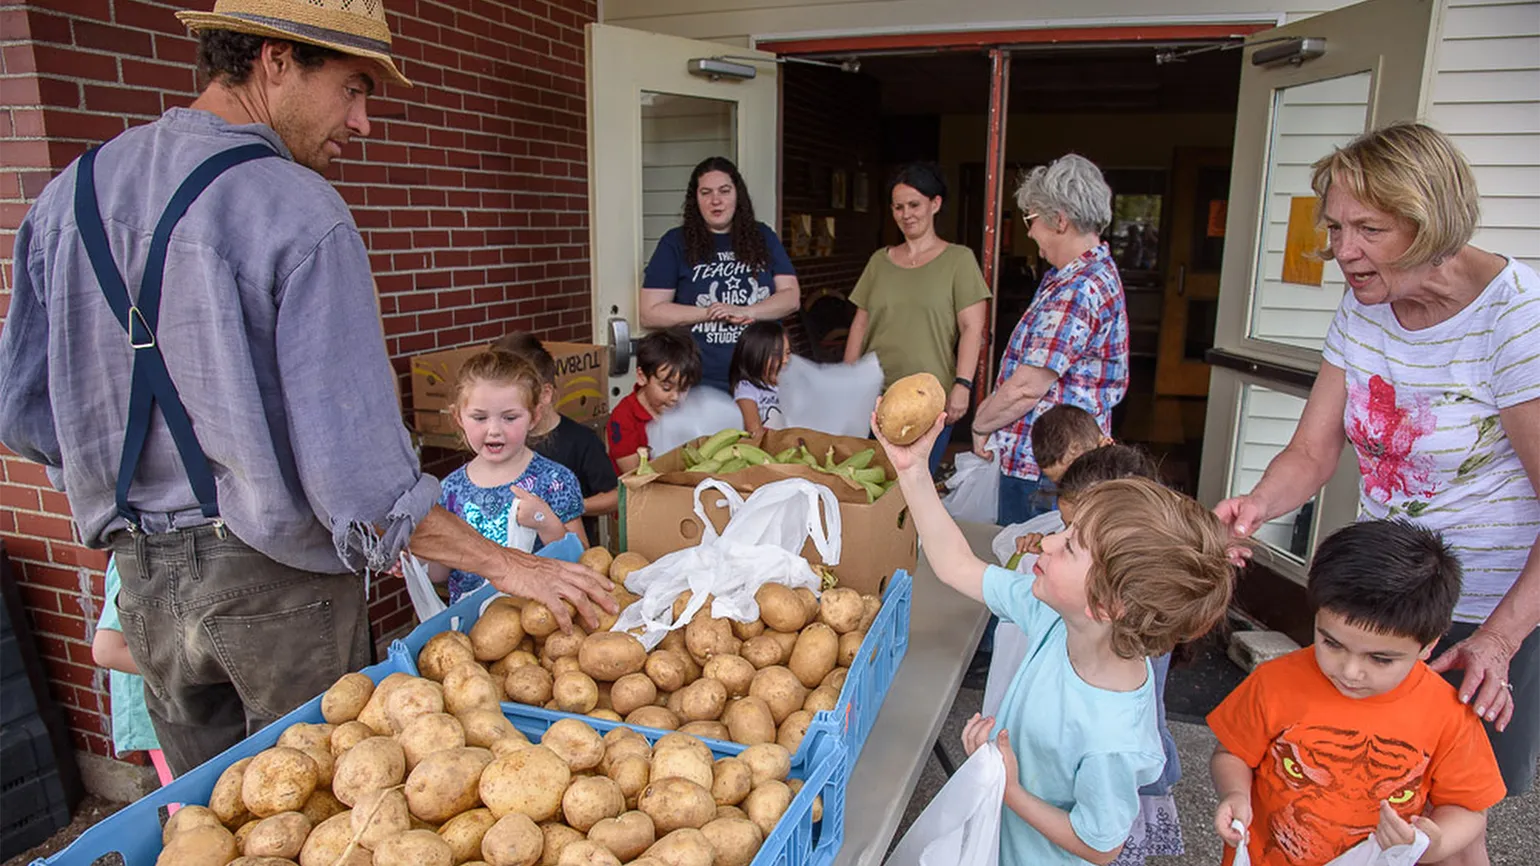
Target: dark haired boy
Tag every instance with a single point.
(1355, 736)
(668, 365)
(1060, 435)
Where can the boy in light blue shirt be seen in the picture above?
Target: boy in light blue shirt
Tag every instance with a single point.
(1141, 568)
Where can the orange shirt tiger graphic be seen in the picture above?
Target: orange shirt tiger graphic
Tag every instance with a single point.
(1323, 762)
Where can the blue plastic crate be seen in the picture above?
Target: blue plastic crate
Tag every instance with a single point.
(796, 840)
(849, 723)
(134, 832)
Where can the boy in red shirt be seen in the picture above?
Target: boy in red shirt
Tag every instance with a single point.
(1355, 736)
(668, 365)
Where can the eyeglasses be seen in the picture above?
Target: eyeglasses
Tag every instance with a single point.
(1028, 218)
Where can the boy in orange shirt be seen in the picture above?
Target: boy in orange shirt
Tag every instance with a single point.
(1355, 736)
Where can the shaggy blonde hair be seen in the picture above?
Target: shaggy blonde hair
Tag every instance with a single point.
(1414, 173)
(1159, 569)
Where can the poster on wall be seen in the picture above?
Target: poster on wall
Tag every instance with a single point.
(823, 238)
(801, 234)
(860, 194)
(837, 189)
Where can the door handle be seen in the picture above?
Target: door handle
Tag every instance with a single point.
(1181, 280)
(622, 347)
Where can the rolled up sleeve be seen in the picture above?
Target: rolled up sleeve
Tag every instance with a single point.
(353, 454)
(26, 414)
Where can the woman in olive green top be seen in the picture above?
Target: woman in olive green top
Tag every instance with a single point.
(921, 304)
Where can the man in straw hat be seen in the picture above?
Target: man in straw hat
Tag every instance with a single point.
(238, 447)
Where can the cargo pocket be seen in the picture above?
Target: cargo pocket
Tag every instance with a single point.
(280, 659)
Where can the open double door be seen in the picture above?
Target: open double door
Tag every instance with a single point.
(651, 119)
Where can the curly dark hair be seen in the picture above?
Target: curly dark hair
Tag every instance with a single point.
(748, 242)
(227, 56)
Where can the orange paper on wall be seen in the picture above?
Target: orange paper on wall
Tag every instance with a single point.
(1301, 265)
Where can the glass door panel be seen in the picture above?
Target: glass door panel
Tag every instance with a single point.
(1309, 120)
(677, 133)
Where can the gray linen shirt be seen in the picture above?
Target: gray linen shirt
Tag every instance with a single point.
(270, 328)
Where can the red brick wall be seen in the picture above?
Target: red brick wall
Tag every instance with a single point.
(471, 194)
(831, 121)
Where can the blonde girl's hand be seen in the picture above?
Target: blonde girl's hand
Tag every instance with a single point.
(914, 455)
(535, 514)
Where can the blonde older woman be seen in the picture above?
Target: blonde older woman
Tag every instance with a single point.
(1431, 371)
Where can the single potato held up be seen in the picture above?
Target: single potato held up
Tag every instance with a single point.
(909, 408)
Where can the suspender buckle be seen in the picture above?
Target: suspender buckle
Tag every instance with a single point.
(139, 334)
(219, 529)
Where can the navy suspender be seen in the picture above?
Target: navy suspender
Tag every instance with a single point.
(151, 382)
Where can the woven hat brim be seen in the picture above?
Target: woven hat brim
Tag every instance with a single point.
(197, 21)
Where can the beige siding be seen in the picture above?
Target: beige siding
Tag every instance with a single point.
(1267, 421)
(1486, 95)
(677, 133)
(1311, 120)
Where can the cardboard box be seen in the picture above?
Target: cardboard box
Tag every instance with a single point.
(582, 372)
(878, 538)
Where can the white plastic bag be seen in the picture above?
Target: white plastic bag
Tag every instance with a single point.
(975, 488)
(830, 398)
(1010, 642)
(419, 586)
(1365, 853)
(702, 412)
(961, 826)
(761, 543)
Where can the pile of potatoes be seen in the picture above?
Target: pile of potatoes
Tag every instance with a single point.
(754, 682)
(398, 775)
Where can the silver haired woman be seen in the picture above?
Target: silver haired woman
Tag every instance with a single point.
(1071, 346)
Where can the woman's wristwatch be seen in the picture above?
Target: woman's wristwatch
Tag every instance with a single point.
(966, 383)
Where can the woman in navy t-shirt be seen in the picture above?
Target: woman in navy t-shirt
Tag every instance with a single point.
(718, 271)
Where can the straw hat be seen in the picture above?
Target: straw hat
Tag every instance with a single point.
(355, 27)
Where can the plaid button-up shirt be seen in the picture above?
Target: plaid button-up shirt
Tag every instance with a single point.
(1077, 327)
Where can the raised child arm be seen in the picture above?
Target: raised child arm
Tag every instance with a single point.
(945, 546)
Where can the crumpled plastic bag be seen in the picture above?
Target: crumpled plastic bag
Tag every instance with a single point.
(1365, 853)
(961, 826)
(830, 398)
(761, 543)
(975, 487)
(702, 412)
